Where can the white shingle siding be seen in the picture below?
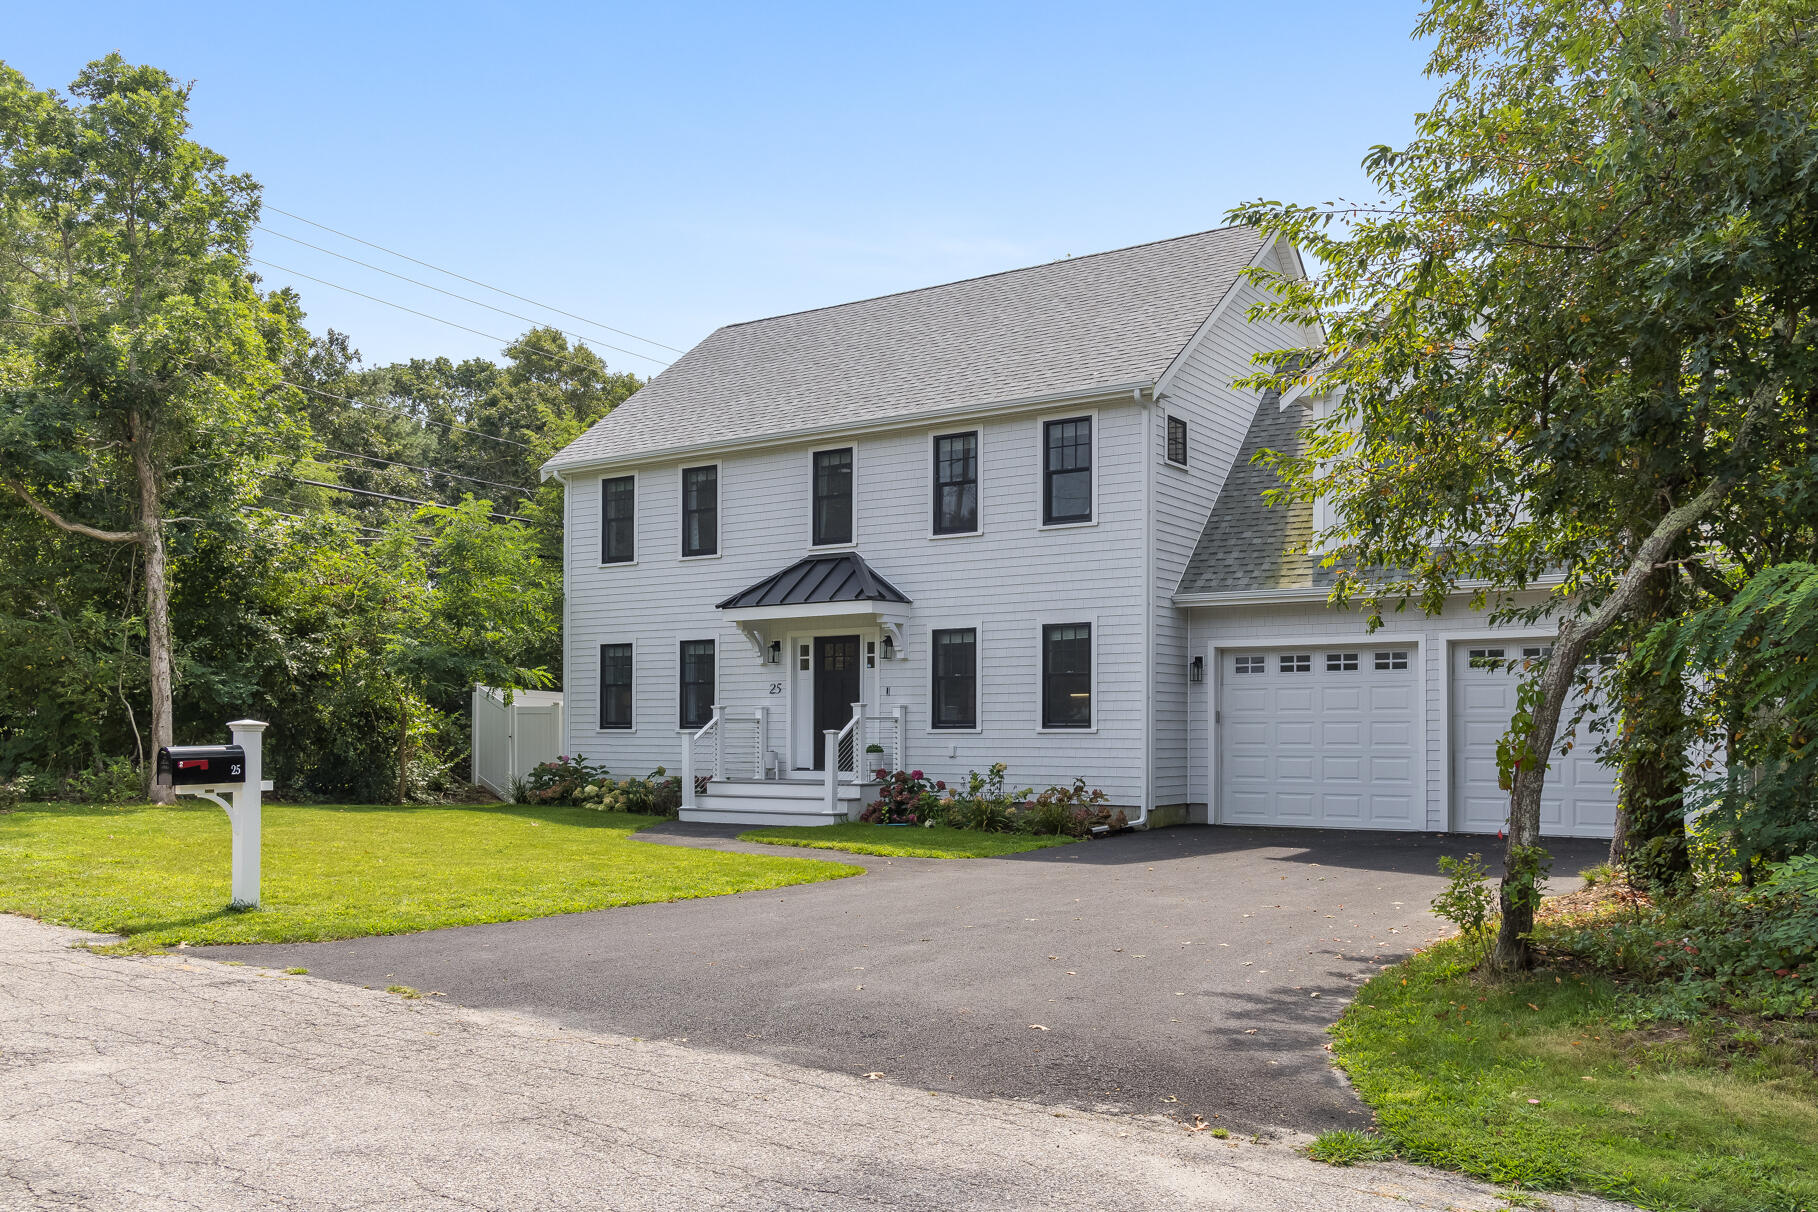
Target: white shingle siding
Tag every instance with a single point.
(1007, 581)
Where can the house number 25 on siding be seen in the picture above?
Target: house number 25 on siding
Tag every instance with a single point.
(776, 688)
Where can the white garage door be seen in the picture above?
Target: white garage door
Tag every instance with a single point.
(1580, 798)
(1320, 736)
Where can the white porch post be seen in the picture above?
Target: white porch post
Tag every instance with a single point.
(902, 736)
(859, 757)
(719, 744)
(763, 741)
(688, 770)
(831, 739)
(249, 803)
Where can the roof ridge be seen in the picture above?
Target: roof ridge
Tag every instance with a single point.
(1001, 273)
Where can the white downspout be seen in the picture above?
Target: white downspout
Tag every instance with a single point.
(1148, 448)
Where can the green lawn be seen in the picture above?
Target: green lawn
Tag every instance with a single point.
(161, 875)
(1536, 1083)
(902, 841)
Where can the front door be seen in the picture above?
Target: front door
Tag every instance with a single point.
(836, 688)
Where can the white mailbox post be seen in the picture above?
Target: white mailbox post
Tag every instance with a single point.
(237, 771)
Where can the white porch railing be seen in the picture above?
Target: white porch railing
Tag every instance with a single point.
(726, 747)
(847, 758)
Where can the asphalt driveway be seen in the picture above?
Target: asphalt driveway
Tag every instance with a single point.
(1181, 971)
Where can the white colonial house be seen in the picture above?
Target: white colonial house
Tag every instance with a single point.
(1013, 519)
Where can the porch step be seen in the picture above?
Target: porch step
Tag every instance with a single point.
(773, 802)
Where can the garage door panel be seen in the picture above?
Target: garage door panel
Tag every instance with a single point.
(1580, 795)
(1332, 744)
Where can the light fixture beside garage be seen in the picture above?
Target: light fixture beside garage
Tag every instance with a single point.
(1196, 672)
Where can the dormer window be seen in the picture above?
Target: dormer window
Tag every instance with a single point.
(832, 496)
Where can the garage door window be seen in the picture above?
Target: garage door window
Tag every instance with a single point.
(1252, 664)
(1297, 663)
(1392, 660)
(1341, 662)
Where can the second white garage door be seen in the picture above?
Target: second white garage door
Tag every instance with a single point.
(1580, 797)
(1320, 737)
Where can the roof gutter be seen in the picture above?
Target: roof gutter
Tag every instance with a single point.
(790, 437)
(1305, 593)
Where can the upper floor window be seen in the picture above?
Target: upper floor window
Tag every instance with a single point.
(1067, 675)
(697, 683)
(832, 496)
(955, 677)
(956, 483)
(618, 527)
(1177, 441)
(615, 685)
(700, 511)
(1067, 471)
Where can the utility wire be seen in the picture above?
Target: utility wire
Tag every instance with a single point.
(303, 517)
(419, 470)
(386, 496)
(474, 281)
(463, 298)
(403, 413)
(433, 470)
(505, 341)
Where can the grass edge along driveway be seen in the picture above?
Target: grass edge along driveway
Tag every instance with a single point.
(161, 875)
(902, 841)
(1538, 1083)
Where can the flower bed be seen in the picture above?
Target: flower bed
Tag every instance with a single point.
(909, 797)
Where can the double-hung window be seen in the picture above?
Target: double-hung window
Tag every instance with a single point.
(956, 483)
(1177, 441)
(1067, 471)
(618, 519)
(955, 677)
(832, 496)
(697, 683)
(1067, 675)
(700, 511)
(615, 685)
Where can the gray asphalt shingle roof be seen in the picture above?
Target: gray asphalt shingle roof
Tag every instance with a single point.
(833, 578)
(1096, 321)
(1248, 544)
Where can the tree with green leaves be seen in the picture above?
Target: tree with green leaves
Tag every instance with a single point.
(1577, 333)
(141, 366)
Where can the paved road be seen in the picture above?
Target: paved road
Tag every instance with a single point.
(170, 1083)
(1182, 971)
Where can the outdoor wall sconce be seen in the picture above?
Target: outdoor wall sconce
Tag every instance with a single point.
(1197, 671)
(776, 652)
(889, 647)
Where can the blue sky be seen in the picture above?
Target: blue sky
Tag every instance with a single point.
(666, 169)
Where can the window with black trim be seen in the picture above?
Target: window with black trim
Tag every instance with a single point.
(615, 685)
(1297, 663)
(700, 511)
(832, 496)
(697, 683)
(1067, 675)
(1067, 471)
(955, 677)
(1177, 441)
(956, 483)
(619, 519)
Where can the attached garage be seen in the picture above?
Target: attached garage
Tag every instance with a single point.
(1580, 798)
(1322, 737)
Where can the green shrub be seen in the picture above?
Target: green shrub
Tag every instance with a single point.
(904, 797)
(657, 794)
(1466, 900)
(984, 805)
(114, 781)
(558, 782)
(1062, 811)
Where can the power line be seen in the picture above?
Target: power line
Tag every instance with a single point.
(433, 470)
(505, 341)
(463, 298)
(386, 496)
(474, 281)
(408, 415)
(419, 470)
(303, 517)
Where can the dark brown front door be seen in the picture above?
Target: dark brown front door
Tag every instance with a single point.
(836, 688)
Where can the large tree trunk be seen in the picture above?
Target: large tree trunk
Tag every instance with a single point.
(157, 602)
(1650, 841)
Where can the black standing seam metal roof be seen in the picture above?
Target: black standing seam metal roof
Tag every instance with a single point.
(817, 579)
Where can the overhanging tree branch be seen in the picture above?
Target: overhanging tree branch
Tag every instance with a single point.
(50, 515)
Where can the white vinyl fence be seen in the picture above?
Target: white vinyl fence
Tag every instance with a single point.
(510, 739)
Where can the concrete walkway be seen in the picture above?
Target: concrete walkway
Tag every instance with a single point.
(172, 1083)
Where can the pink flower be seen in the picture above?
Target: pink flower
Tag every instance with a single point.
(915, 774)
(939, 785)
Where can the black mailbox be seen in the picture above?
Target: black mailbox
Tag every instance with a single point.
(204, 765)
